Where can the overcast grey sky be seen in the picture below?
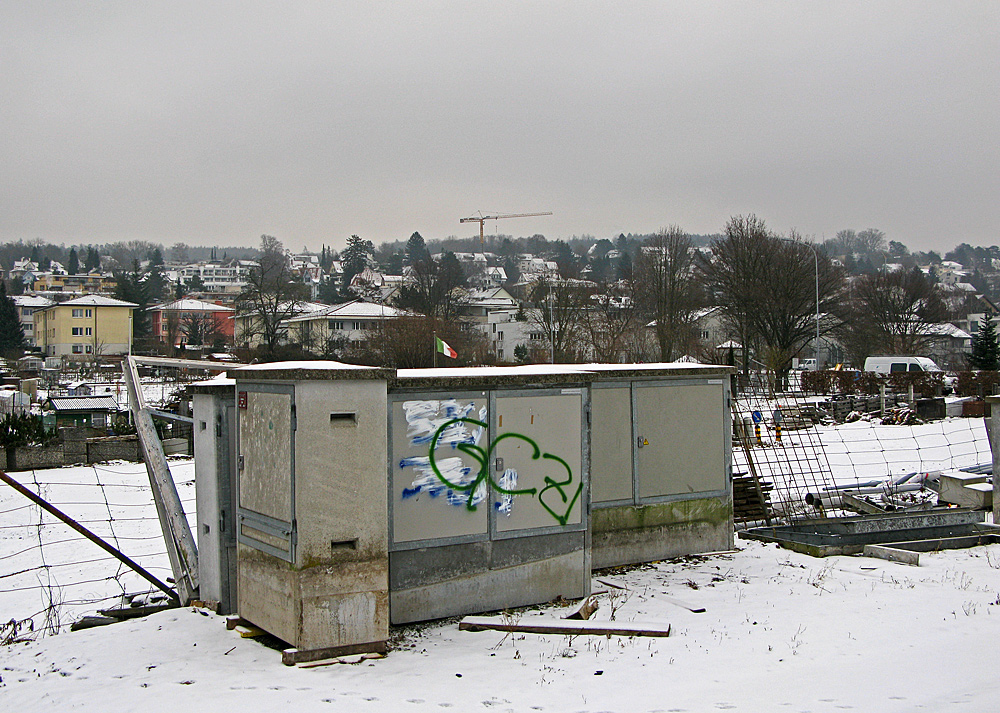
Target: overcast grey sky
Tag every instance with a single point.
(215, 122)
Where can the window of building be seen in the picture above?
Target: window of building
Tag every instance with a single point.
(336, 324)
(78, 349)
(90, 349)
(359, 326)
(77, 312)
(77, 331)
(89, 331)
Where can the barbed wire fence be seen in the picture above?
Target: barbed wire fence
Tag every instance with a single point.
(800, 447)
(49, 575)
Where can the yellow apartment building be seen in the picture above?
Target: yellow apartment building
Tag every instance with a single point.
(87, 283)
(85, 327)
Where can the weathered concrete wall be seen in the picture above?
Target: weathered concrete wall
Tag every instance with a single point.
(343, 584)
(646, 533)
(114, 448)
(39, 457)
(449, 580)
(334, 594)
(214, 465)
(341, 508)
(73, 452)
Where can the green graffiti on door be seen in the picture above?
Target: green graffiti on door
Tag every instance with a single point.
(557, 497)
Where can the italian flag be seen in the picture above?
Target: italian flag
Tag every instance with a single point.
(443, 348)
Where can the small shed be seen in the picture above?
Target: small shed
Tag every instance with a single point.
(77, 411)
(30, 363)
(79, 388)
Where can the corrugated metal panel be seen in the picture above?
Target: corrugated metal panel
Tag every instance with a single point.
(83, 403)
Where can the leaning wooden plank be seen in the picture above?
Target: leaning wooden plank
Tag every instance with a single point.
(249, 631)
(853, 502)
(892, 554)
(565, 626)
(136, 612)
(353, 659)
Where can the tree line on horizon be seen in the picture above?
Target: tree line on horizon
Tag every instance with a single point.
(640, 297)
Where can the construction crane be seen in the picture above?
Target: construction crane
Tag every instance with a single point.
(481, 219)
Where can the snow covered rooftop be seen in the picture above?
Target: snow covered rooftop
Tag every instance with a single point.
(190, 305)
(95, 301)
(350, 310)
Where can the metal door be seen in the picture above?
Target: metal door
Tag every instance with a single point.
(266, 511)
(536, 461)
(677, 429)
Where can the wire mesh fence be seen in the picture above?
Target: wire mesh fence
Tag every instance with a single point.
(50, 575)
(797, 452)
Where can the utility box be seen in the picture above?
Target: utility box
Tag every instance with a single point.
(364, 496)
(214, 404)
(311, 518)
(661, 482)
(488, 473)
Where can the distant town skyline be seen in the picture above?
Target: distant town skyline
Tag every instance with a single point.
(211, 124)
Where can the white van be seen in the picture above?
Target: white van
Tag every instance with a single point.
(898, 364)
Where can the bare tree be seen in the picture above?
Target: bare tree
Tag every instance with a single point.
(270, 296)
(126, 253)
(891, 313)
(409, 342)
(431, 290)
(560, 308)
(871, 241)
(667, 291)
(766, 286)
(611, 322)
(200, 328)
(172, 329)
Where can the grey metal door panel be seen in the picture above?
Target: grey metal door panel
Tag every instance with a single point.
(675, 429)
(266, 463)
(438, 446)
(536, 461)
(611, 444)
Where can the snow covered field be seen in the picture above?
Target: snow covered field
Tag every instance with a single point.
(781, 631)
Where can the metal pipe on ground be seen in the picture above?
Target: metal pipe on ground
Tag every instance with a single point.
(831, 498)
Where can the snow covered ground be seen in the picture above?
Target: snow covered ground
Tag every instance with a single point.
(781, 631)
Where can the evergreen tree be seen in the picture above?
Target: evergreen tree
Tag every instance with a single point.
(156, 281)
(356, 257)
(11, 334)
(93, 260)
(132, 287)
(985, 354)
(416, 249)
(73, 264)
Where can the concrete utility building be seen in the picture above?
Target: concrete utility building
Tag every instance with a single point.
(364, 496)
